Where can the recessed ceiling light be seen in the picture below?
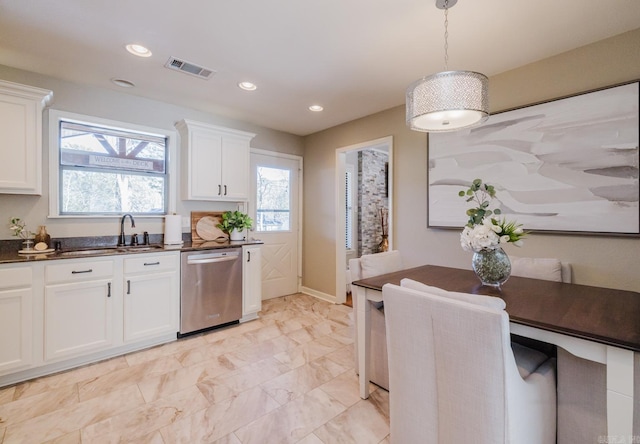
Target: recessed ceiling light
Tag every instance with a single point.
(316, 108)
(123, 83)
(138, 50)
(247, 86)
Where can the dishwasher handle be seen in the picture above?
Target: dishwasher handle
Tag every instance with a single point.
(211, 258)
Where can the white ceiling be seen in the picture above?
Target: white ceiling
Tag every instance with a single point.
(354, 57)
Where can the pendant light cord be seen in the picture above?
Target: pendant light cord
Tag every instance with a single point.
(446, 35)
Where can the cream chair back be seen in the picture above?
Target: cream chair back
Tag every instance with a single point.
(549, 269)
(453, 375)
(376, 264)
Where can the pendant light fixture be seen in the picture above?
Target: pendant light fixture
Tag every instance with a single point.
(448, 100)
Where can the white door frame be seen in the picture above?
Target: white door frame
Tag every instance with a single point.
(300, 172)
(341, 252)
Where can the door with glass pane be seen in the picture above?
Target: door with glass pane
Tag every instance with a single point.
(275, 209)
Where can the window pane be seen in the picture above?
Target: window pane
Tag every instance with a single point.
(101, 192)
(273, 202)
(109, 170)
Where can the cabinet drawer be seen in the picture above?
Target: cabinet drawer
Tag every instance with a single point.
(151, 263)
(15, 277)
(77, 271)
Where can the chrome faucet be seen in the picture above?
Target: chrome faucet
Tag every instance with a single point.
(122, 241)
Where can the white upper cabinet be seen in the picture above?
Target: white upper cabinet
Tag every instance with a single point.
(215, 162)
(21, 142)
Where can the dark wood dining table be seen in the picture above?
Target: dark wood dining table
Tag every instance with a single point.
(594, 323)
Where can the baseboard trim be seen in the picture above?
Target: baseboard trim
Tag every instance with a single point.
(318, 294)
(44, 369)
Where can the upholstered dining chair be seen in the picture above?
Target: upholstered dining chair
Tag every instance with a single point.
(549, 269)
(582, 386)
(367, 266)
(454, 376)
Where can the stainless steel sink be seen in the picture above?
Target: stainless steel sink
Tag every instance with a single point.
(109, 250)
(88, 251)
(133, 248)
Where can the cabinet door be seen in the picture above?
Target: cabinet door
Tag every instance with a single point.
(235, 168)
(204, 175)
(151, 305)
(215, 162)
(16, 317)
(252, 282)
(21, 141)
(15, 329)
(78, 318)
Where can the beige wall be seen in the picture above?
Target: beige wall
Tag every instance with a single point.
(116, 105)
(596, 260)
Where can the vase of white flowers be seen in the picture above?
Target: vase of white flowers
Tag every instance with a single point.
(485, 235)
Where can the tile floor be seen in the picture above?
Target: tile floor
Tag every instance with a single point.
(287, 377)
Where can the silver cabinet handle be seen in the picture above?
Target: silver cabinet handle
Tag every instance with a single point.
(108, 289)
(151, 263)
(82, 271)
(128, 286)
(225, 190)
(248, 256)
(219, 190)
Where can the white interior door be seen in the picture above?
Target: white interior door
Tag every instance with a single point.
(275, 209)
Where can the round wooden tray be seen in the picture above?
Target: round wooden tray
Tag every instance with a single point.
(207, 230)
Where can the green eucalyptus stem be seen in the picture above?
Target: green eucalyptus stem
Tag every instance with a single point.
(481, 193)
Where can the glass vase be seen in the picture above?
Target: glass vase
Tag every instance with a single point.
(492, 267)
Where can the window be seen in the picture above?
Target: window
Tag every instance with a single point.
(108, 168)
(348, 194)
(273, 206)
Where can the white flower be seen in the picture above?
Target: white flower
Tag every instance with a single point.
(480, 237)
(504, 239)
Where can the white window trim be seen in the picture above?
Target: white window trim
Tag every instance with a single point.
(354, 209)
(54, 159)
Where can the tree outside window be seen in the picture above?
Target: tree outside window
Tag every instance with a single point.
(111, 171)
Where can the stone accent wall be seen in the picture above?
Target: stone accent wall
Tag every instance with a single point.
(371, 198)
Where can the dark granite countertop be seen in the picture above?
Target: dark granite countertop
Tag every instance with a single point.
(101, 247)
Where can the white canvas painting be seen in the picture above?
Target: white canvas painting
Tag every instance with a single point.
(569, 165)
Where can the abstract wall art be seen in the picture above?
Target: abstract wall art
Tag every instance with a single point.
(569, 165)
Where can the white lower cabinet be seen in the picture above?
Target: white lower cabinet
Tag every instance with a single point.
(251, 282)
(151, 296)
(78, 318)
(59, 314)
(16, 317)
(78, 308)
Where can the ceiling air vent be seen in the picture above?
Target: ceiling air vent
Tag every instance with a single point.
(189, 68)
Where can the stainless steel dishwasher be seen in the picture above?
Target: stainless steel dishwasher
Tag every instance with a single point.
(211, 289)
